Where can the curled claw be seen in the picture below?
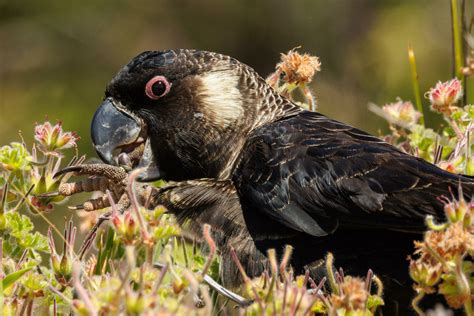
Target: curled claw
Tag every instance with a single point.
(67, 170)
(92, 233)
(49, 194)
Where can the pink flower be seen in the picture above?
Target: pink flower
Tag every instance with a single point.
(444, 95)
(52, 139)
(402, 113)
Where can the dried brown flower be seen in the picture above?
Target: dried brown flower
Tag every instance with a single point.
(451, 292)
(425, 274)
(453, 242)
(297, 68)
(353, 295)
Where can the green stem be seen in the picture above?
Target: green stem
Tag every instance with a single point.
(464, 33)
(468, 308)
(416, 84)
(271, 254)
(416, 301)
(463, 285)
(330, 273)
(457, 130)
(310, 99)
(47, 166)
(457, 41)
(434, 226)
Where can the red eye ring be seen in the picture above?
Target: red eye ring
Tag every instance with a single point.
(157, 87)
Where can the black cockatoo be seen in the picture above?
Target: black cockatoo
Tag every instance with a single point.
(260, 170)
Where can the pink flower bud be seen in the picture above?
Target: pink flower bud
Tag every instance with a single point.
(126, 227)
(444, 95)
(116, 220)
(52, 139)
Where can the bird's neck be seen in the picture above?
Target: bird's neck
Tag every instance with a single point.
(210, 146)
(269, 106)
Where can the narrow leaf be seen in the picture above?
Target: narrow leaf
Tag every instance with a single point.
(13, 277)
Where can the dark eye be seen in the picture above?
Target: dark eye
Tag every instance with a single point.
(157, 87)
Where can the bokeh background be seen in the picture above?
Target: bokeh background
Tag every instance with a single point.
(57, 56)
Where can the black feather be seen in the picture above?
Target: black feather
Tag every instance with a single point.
(314, 174)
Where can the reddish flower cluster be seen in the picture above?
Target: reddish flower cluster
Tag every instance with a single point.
(353, 295)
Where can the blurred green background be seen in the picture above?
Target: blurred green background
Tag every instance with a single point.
(57, 56)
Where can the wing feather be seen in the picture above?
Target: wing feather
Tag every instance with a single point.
(314, 174)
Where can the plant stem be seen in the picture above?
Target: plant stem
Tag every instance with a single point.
(416, 84)
(212, 248)
(464, 33)
(457, 41)
(415, 302)
(135, 206)
(2, 275)
(457, 130)
(81, 291)
(330, 273)
(463, 285)
(310, 99)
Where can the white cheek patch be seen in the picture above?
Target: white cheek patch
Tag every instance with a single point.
(220, 97)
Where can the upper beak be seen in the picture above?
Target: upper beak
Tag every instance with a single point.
(112, 129)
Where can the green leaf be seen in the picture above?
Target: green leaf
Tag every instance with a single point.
(199, 260)
(20, 227)
(374, 301)
(18, 223)
(163, 232)
(34, 241)
(15, 157)
(105, 252)
(34, 282)
(13, 277)
(159, 183)
(214, 268)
